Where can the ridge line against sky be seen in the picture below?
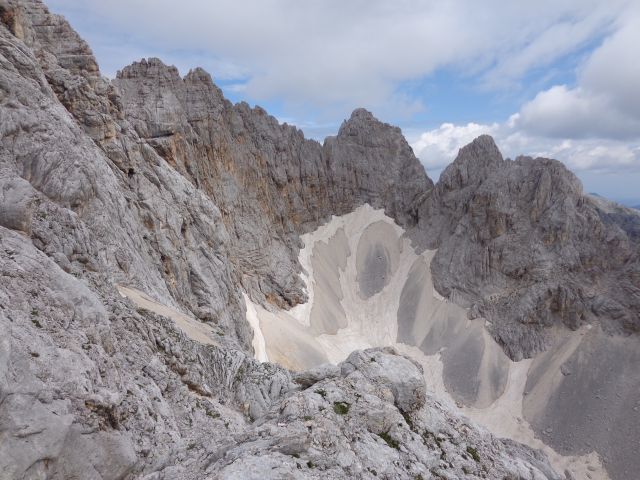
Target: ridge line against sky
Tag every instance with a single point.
(545, 78)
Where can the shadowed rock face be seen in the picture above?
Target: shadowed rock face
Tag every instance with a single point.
(593, 402)
(564, 398)
(516, 240)
(270, 183)
(412, 297)
(92, 386)
(520, 244)
(327, 314)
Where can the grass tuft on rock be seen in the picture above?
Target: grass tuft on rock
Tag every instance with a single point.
(390, 440)
(341, 408)
(474, 453)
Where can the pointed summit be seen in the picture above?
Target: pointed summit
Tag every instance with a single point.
(364, 125)
(149, 68)
(472, 164)
(362, 113)
(482, 147)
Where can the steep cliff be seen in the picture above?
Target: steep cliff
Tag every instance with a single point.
(520, 244)
(270, 183)
(154, 187)
(189, 206)
(275, 182)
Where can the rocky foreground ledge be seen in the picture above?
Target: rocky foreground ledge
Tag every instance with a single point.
(157, 183)
(370, 417)
(91, 387)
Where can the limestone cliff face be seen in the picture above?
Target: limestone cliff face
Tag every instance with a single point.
(103, 201)
(157, 183)
(265, 181)
(520, 244)
(270, 183)
(93, 387)
(517, 240)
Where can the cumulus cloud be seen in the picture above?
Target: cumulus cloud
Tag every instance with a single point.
(602, 157)
(356, 53)
(593, 126)
(604, 104)
(437, 148)
(576, 113)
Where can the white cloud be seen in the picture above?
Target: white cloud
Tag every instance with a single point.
(602, 157)
(333, 55)
(576, 113)
(614, 68)
(553, 41)
(605, 103)
(592, 127)
(336, 54)
(437, 148)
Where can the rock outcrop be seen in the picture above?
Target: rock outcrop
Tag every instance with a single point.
(372, 421)
(270, 183)
(520, 244)
(96, 195)
(256, 184)
(94, 388)
(156, 182)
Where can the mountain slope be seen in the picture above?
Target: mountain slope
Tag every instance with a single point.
(520, 244)
(155, 187)
(93, 386)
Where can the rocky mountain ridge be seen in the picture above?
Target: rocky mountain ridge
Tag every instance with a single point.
(92, 386)
(157, 182)
(520, 244)
(266, 177)
(279, 185)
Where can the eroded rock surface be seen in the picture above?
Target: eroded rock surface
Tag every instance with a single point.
(372, 421)
(270, 183)
(520, 244)
(157, 183)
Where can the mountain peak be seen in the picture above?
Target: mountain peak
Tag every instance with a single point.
(199, 75)
(473, 163)
(362, 113)
(362, 121)
(149, 67)
(482, 147)
(213, 220)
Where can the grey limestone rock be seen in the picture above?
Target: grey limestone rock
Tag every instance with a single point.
(154, 181)
(350, 426)
(270, 183)
(403, 376)
(312, 376)
(519, 243)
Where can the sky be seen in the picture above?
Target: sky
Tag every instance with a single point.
(552, 78)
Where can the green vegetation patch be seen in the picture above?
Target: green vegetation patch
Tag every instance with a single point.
(390, 440)
(341, 408)
(474, 453)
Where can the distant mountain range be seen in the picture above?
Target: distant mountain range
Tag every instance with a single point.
(627, 202)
